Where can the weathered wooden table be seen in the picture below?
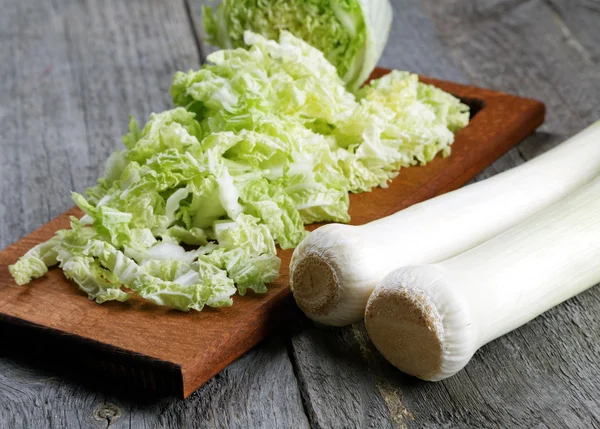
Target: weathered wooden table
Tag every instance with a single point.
(72, 71)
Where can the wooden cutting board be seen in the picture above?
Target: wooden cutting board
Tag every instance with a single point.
(142, 345)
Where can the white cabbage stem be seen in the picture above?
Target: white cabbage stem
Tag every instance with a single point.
(334, 270)
(428, 320)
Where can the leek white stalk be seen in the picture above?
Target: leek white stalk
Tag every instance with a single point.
(428, 320)
(334, 270)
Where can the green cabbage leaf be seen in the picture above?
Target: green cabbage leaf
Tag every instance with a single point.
(260, 142)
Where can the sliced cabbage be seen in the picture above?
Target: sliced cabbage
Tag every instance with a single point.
(351, 33)
(399, 122)
(35, 262)
(262, 141)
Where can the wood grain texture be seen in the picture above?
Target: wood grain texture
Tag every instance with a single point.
(70, 74)
(42, 399)
(157, 348)
(269, 398)
(521, 47)
(259, 388)
(578, 20)
(336, 382)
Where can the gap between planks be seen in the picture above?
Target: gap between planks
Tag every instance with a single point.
(195, 29)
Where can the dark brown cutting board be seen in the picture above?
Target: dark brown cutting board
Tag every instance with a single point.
(169, 351)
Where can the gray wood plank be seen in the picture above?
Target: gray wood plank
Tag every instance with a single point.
(414, 45)
(71, 73)
(519, 47)
(195, 8)
(259, 390)
(34, 398)
(580, 22)
(337, 386)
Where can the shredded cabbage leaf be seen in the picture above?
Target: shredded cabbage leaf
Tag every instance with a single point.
(260, 142)
(351, 33)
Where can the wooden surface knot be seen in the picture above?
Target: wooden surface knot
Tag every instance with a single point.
(109, 412)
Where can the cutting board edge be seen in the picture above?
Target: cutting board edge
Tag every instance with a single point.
(115, 362)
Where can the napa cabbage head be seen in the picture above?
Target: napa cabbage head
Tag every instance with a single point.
(351, 33)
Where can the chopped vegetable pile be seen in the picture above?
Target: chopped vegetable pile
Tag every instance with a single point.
(262, 141)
